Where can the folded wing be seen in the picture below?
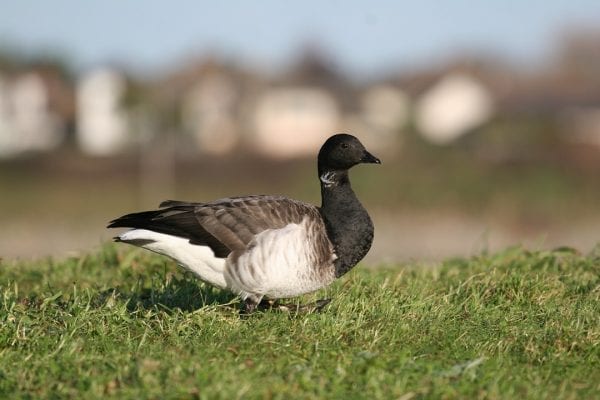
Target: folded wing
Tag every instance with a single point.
(225, 225)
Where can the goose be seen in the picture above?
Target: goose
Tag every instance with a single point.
(262, 246)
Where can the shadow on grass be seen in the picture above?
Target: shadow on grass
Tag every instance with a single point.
(185, 294)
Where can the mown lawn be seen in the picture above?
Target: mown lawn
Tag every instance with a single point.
(122, 323)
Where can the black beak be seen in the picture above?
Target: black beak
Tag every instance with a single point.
(369, 158)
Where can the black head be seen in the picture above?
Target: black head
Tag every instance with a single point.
(341, 152)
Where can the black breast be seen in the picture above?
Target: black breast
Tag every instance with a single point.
(349, 228)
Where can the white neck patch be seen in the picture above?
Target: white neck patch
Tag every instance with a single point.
(328, 179)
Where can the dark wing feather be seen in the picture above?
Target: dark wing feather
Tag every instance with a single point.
(224, 225)
(236, 221)
(175, 203)
(177, 221)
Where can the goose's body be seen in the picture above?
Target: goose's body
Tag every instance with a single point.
(271, 246)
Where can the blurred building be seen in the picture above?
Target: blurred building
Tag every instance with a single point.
(27, 120)
(209, 113)
(385, 108)
(384, 112)
(293, 121)
(206, 99)
(102, 123)
(209, 105)
(455, 105)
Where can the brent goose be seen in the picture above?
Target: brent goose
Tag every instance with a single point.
(265, 246)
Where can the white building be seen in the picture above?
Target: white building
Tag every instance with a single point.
(102, 123)
(384, 111)
(209, 114)
(26, 121)
(455, 105)
(294, 121)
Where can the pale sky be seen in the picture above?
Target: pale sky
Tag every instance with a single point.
(364, 37)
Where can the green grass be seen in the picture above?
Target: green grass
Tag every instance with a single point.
(122, 323)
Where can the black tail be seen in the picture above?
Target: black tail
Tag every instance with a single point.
(141, 220)
(178, 219)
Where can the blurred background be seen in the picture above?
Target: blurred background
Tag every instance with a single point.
(486, 116)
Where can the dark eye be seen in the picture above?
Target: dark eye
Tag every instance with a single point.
(344, 145)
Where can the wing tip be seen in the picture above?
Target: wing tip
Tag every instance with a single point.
(172, 203)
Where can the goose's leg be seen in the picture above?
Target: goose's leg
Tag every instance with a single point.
(317, 306)
(250, 304)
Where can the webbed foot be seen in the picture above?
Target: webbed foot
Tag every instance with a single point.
(249, 305)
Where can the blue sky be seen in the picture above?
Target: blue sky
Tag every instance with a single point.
(363, 36)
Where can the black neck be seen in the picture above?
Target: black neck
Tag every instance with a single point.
(348, 225)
